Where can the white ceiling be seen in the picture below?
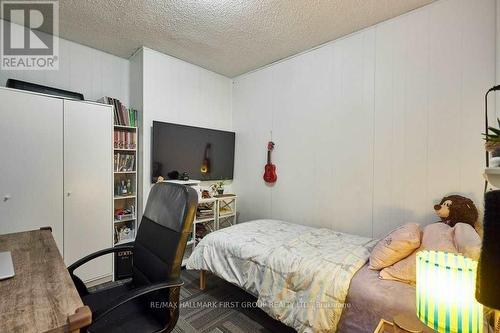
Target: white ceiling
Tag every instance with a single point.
(230, 37)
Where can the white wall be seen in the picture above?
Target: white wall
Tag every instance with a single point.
(81, 69)
(372, 129)
(136, 102)
(178, 92)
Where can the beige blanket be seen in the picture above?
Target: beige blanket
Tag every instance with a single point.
(306, 280)
(300, 274)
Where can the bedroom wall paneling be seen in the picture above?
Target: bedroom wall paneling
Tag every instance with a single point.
(252, 122)
(83, 69)
(178, 92)
(340, 75)
(371, 129)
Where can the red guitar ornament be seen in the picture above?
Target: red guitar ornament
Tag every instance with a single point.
(270, 169)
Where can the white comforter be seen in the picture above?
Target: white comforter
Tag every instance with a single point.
(300, 274)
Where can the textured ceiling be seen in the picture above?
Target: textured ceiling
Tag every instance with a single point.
(229, 37)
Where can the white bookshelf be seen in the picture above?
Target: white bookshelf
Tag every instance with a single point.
(223, 215)
(128, 200)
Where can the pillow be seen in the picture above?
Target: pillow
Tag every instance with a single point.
(437, 237)
(467, 240)
(398, 244)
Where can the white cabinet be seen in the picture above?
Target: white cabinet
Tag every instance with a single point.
(31, 163)
(56, 170)
(88, 185)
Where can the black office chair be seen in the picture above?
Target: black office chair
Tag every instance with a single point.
(149, 302)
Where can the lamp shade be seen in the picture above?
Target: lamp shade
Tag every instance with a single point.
(445, 292)
(488, 276)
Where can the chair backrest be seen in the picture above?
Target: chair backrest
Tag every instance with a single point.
(162, 235)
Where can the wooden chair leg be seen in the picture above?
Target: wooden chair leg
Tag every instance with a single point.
(202, 280)
(80, 319)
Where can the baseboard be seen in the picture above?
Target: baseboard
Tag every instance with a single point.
(99, 280)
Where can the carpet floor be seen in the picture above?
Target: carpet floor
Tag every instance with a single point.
(220, 308)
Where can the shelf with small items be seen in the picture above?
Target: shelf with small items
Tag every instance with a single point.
(125, 185)
(124, 221)
(212, 214)
(206, 210)
(125, 203)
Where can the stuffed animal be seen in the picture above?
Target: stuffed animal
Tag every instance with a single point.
(455, 208)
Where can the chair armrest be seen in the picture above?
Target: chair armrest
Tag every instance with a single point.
(133, 294)
(97, 254)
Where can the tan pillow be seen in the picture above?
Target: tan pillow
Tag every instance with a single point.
(437, 237)
(467, 240)
(399, 244)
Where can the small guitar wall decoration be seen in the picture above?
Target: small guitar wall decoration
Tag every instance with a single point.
(270, 169)
(205, 165)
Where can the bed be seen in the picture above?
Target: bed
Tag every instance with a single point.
(371, 298)
(311, 279)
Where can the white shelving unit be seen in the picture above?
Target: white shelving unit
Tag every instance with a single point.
(226, 211)
(223, 214)
(129, 200)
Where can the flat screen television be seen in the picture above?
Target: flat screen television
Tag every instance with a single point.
(204, 154)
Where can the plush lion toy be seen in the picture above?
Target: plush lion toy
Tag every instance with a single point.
(455, 209)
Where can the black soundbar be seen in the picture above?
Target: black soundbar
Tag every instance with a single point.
(22, 85)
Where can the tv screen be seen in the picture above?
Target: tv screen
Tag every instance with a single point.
(204, 154)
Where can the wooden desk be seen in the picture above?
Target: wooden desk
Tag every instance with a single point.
(384, 326)
(402, 324)
(42, 296)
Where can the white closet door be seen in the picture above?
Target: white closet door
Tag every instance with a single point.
(88, 186)
(31, 164)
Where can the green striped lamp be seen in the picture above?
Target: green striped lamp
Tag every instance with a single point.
(445, 293)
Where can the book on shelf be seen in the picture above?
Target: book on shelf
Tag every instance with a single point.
(124, 139)
(124, 162)
(204, 213)
(123, 116)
